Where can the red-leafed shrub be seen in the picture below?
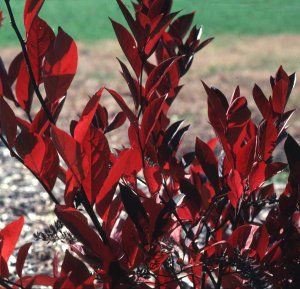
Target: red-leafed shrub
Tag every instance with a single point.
(141, 216)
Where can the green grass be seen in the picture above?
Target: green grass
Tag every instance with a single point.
(87, 20)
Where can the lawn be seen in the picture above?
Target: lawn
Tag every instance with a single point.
(87, 20)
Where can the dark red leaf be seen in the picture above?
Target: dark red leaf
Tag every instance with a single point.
(128, 162)
(268, 135)
(134, 26)
(262, 102)
(263, 242)
(208, 162)
(75, 270)
(10, 235)
(77, 223)
(39, 39)
(292, 151)
(181, 25)
(69, 150)
(22, 255)
(40, 156)
(150, 118)
(133, 84)
(280, 91)
(24, 89)
(191, 194)
(164, 221)
(118, 121)
(153, 177)
(238, 113)
(119, 99)
(157, 75)
(60, 66)
(243, 237)
(245, 157)
(8, 122)
(87, 116)
(31, 10)
(136, 212)
(204, 43)
(157, 30)
(95, 162)
(234, 182)
(129, 240)
(5, 83)
(257, 175)
(217, 107)
(128, 46)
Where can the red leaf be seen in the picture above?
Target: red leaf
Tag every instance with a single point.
(280, 91)
(136, 212)
(132, 83)
(257, 175)
(75, 270)
(236, 188)
(31, 10)
(262, 102)
(157, 75)
(136, 29)
(129, 161)
(22, 255)
(192, 196)
(118, 121)
(39, 280)
(217, 106)
(87, 116)
(14, 68)
(245, 157)
(24, 90)
(95, 162)
(128, 46)
(5, 83)
(39, 39)
(8, 122)
(208, 162)
(32, 149)
(153, 178)
(238, 112)
(40, 156)
(268, 135)
(263, 242)
(157, 30)
(181, 25)
(78, 225)
(10, 235)
(119, 99)
(69, 150)
(242, 237)
(60, 66)
(150, 118)
(129, 240)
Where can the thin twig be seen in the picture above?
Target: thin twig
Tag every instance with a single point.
(27, 60)
(89, 209)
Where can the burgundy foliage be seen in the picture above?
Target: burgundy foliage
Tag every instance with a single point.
(144, 215)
